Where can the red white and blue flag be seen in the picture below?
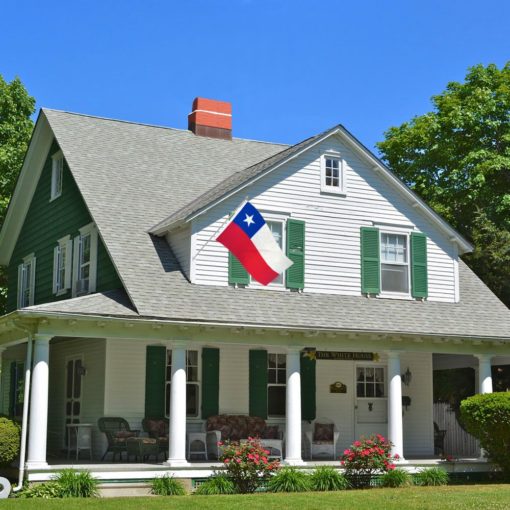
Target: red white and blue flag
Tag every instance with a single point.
(249, 239)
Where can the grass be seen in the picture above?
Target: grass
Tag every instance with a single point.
(488, 497)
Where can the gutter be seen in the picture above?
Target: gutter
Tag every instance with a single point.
(26, 398)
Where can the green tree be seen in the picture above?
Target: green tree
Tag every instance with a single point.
(457, 158)
(16, 108)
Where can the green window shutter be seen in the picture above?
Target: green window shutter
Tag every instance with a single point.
(295, 278)
(210, 382)
(236, 272)
(308, 391)
(419, 279)
(155, 375)
(370, 261)
(258, 383)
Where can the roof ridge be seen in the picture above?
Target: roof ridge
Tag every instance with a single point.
(156, 126)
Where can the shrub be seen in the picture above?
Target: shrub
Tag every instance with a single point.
(487, 417)
(366, 457)
(396, 478)
(431, 477)
(220, 483)
(76, 484)
(47, 490)
(9, 441)
(246, 464)
(167, 486)
(326, 478)
(289, 479)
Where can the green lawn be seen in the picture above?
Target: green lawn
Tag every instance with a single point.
(459, 497)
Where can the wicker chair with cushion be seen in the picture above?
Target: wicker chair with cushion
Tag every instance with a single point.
(439, 435)
(240, 427)
(322, 438)
(117, 432)
(157, 428)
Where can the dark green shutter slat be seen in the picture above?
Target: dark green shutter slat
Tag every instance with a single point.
(258, 383)
(370, 261)
(236, 272)
(308, 388)
(210, 382)
(419, 279)
(155, 381)
(295, 276)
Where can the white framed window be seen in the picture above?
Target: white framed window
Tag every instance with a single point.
(395, 275)
(192, 383)
(26, 281)
(332, 174)
(85, 261)
(277, 228)
(276, 384)
(370, 382)
(57, 173)
(62, 265)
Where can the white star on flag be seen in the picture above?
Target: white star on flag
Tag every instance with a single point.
(249, 219)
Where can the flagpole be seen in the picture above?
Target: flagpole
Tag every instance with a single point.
(221, 226)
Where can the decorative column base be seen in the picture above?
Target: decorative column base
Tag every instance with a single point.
(177, 463)
(293, 462)
(35, 465)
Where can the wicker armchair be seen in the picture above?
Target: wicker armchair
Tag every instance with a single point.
(117, 432)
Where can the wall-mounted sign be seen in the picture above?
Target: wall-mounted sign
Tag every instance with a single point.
(337, 387)
(341, 356)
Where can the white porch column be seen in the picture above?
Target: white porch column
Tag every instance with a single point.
(395, 429)
(293, 408)
(484, 373)
(38, 424)
(177, 430)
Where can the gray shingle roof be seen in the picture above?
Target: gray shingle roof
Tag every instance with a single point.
(235, 180)
(132, 175)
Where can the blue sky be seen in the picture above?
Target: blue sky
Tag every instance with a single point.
(290, 68)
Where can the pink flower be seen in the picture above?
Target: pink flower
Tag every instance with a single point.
(357, 443)
(347, 452)
(396, 456)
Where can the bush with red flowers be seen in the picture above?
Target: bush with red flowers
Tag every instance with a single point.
(367, 457)
(246, 463)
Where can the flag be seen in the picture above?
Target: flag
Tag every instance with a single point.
(248, 237)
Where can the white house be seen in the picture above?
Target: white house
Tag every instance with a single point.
(122, 304)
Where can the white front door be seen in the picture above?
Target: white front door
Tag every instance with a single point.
(370, 401)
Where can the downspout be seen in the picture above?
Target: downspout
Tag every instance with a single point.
(26, 397)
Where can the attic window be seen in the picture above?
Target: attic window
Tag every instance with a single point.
(57, 172)
(332, 174)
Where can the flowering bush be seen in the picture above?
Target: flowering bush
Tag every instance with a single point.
(366, 457)
(246, 463)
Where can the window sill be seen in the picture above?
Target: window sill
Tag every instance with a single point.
(55, 197)
(333, 191)
(61, 292)
(395, 295)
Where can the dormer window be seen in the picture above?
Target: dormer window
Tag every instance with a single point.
(85, 261)
(57, 172)
(332, 174)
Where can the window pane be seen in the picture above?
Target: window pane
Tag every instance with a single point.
(282, 375)
(192, 374)
(76, 408)
(360, 374)
(393, 248)
(379, 374)
(360, 390)
(192, 399)
(271, 360)
(69, 389)
(77, 378)
(369, 390)
(282, 361)
(168, 373)
(192, 357)
(167, 399)
(276, 400)
(271, 376)
(394, 278)
(379, 390)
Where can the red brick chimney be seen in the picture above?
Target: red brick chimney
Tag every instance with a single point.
(211, 118)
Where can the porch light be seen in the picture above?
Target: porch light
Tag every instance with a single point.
(407, 377)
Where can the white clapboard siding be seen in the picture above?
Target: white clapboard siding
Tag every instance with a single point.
(92, 352)
(332, 224)
(457, 442)
(179, 241)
